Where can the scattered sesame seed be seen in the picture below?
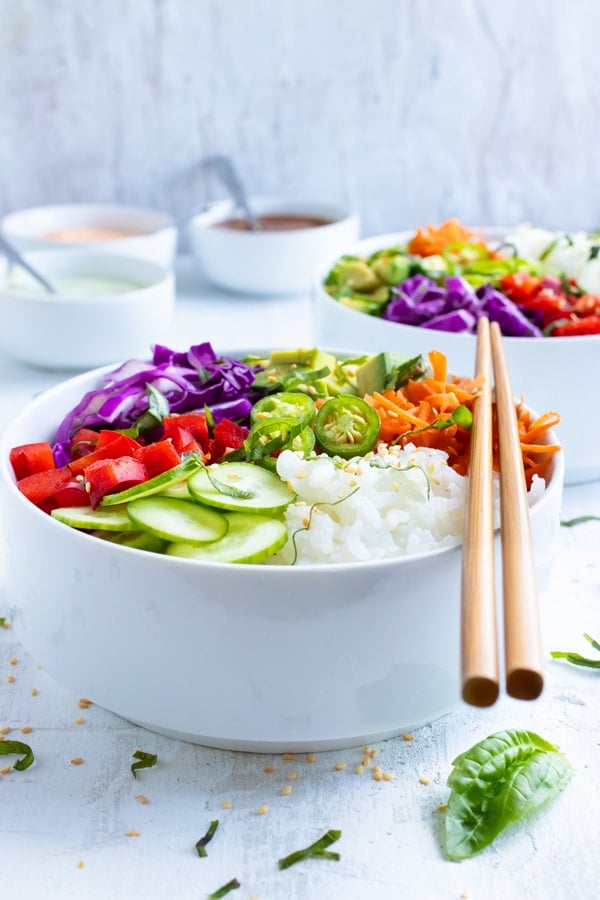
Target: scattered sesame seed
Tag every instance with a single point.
(291, 776)
(77, 760)
(5, 770)
(286, 790)
(366, 760)
(407, 737)
(340, 766)
(377, 776)
(6, 624)
(34, 692)
(377, 770)
(141, 798)
(359, 770)
(311, 758)
(11, 679)
(79, 720)
(262, 809)
(13, 661)
(366, 750)
(442, 807)
(6, 729)
(288, 756)
(306, 521)
(132, 833)
(424, 780)
(268, 769)
(26, 729)
(387, 776)
(84, 703)
(464, 895)
(80, 864)
(226, 804)
(373, 753)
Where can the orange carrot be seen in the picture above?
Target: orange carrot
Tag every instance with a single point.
(431, 240)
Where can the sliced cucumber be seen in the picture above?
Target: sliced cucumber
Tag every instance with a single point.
(178, 491)
(256, 489)
(139, 540)
(155, 485)
(250, 538)
(177, 520)
(113, 519)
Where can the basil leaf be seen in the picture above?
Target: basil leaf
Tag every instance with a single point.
(232, 885)
(2, 621)
(201, 844)
(569, 523)
(144, 761)
(9, 747)
(577, 659)
(496, 783)
(229, 490)
(318, 850)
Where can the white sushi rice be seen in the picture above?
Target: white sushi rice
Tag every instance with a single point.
(396, 502)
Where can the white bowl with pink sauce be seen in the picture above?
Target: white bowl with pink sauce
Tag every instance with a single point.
(105, 228)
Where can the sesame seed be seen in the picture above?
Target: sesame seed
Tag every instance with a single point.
(424, 780)
(286, 790)
(11, 679)
(226, 804)
(79, 720)
(288, 756)
(5, 729)
(26, 729)
(366, 750)
(141, 798)
(84, 703)
(6, 624)
(34, 692)
(5, 770)
(387, 776)
(340, 766)
(464, 895)
(311, 758)
(13, 661)
(377, 770)
(269, 769)
(377, 776)
(306, 521)
(366, 760)
(291, 776)
(373, 753)
(262, 809)
(359, 770)
(407, 737)
(442, 807)
(80, 864)
(132, 833)
(77, 760)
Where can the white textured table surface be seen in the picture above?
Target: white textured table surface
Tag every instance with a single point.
(63, 828)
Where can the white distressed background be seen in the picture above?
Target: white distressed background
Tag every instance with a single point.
(412, 110)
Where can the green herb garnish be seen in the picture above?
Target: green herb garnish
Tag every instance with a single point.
(461, 416)
(232, 885)
(144, 761)
(318, 850)
(314, 507)
(229, 490)
(577, 659)
(158, 409)
(2, 621)
(579, 520)
(201, 844)
(496, 783)
(16, 747)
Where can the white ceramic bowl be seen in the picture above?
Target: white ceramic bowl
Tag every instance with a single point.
(75, 332)
(153, 234)
(269, 262)
(546, 371)
(248, 657)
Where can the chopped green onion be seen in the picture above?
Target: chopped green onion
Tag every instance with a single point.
(201, 844)
(579, 520)
(9, 747)
(318, 850)
(232, 885)
(144, 761)
(576, 659)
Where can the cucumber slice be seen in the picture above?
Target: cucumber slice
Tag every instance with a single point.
(250, 538)
(155, 485)
(113, 519)
(178, 491)
(139, 540)
(256, 490)
(177, 520)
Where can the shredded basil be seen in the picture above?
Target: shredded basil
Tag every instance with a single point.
(498, 782)
(205, 839)
(576, 659)
(9, 747)
(144, 761)
(579, 520)
(310, 515)
(318, 850)
(232, 885)
(378, 463)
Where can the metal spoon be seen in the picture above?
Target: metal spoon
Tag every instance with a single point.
(227, 173)
(14, 255)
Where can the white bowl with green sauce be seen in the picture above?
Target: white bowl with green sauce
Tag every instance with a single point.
(107, 307)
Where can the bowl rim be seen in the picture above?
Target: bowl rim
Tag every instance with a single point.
(15, 223)
(389, 239)
(91, 378)
(219, 210)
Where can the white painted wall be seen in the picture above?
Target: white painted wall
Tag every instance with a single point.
(413, 110)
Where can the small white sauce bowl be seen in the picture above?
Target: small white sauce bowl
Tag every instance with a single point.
(153, 233)
(75, 332)
(545, 371)
(246, 657)
(268, 262)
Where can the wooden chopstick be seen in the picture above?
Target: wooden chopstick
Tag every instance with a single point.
(479, 643)
(522, 645)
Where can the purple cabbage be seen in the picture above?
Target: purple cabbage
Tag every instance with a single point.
(455, 307)
(189, 381)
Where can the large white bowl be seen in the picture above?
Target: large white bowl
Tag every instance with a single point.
(551, 373)
(75, 332)
(248, 657)
(268, 262)
(153, 233)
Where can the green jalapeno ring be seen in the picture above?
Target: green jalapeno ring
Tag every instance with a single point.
(347, 426)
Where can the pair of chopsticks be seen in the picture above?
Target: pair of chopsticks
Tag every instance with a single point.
(479, 644)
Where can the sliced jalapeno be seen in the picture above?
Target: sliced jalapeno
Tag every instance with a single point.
(271, 436)
(286, 405)
(347, 426)
(303, 443)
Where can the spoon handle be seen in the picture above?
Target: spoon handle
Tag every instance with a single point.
(226, 171)
(16, 257)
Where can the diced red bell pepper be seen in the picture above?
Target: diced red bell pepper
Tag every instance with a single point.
(577, 327)
(42, 486)
(188, 431)
(28, 459)
(113, 448)
(108, 475)
(182, 439)
(227, 435)
(83, 442)
(73, 493)
(158, 457)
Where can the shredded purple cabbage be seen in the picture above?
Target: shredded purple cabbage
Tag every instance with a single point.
(189, 381)
(455, 306)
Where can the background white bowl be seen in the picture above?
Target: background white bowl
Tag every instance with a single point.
(56, 332)
(268, 262)
(154, 233)
(237, 656)
(550, 373)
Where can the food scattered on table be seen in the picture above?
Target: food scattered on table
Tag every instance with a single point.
(577, 659)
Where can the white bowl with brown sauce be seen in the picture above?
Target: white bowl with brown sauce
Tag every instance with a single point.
(107, 228)
(280, 257)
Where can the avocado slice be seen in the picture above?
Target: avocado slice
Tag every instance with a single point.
(388, 370)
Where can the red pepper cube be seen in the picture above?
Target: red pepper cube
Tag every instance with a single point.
(105, 476)
(83, 442)
(28, 459)
(41, 487)
(119, 445)
(73, 493)
(195, 429)
(227, 435)
(158, 457)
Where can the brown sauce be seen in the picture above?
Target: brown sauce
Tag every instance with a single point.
(276, 222)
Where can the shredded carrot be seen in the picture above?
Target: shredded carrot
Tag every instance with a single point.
(431, 240)
(406, 414)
